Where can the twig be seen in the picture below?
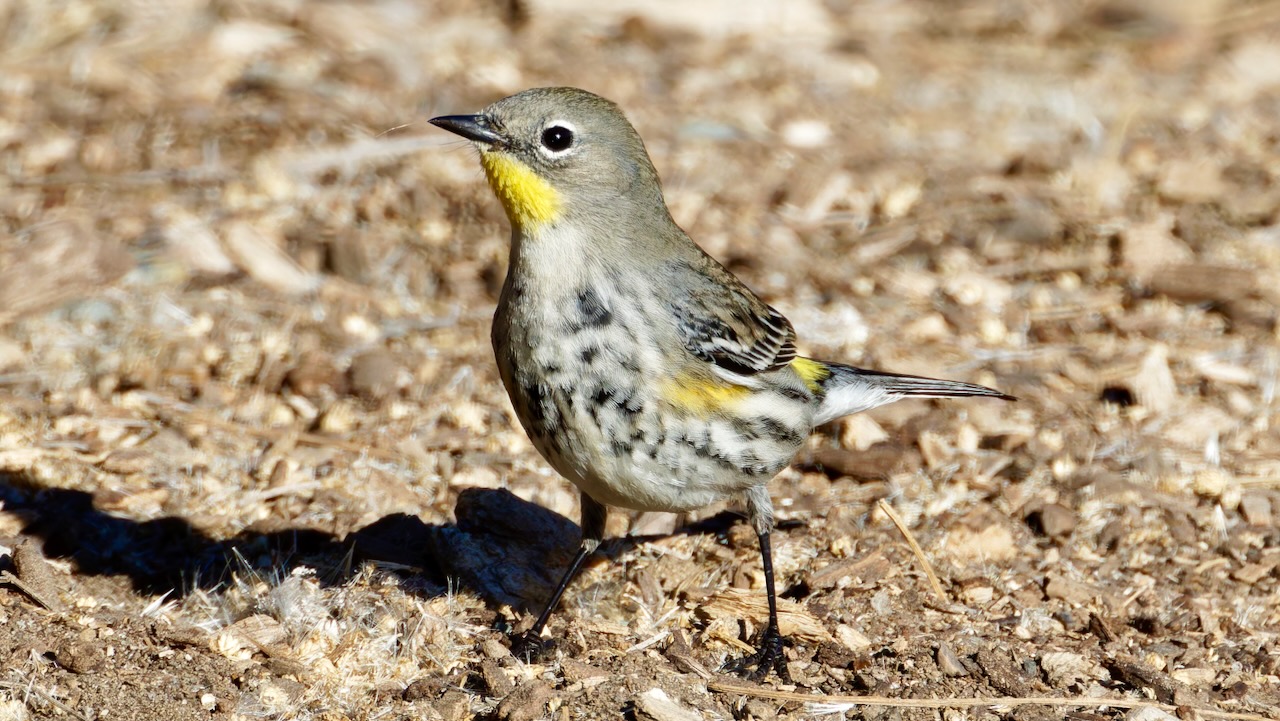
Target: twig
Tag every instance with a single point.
(49, 604)
(915, 548)
(968, 702)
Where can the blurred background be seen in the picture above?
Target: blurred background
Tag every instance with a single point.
(244, 302)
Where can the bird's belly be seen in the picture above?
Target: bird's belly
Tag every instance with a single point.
(613, 436)
(587, 385)
(695, 462)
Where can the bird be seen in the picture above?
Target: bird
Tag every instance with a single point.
(643, 370)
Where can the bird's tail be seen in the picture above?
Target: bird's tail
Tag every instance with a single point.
(846, 390)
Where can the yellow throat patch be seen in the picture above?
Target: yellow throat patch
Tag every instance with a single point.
(812, 372)
(529, 200)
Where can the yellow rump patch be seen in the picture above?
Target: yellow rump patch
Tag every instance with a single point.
(699, 395)
(529, 200)
(812, 372)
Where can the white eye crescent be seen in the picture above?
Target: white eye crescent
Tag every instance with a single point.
(558, 137)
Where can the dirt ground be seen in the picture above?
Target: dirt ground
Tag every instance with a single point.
(256, 463)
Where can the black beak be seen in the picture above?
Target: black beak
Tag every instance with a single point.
(472, 127)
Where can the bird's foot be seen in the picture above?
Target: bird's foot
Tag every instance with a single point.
(768, 656)
(530, 646)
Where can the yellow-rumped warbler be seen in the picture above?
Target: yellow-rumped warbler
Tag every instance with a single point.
(642, 369)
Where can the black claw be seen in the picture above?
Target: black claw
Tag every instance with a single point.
(769, 656)
(530, 647)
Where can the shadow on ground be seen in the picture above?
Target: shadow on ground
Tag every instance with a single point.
(506, 550)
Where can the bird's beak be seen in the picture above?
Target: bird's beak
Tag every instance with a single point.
(472, 127)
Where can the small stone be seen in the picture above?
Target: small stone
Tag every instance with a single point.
(454, 706)
(575, 671)
(1181, 528)
(1003, 675)
(80, 657)
(375, 375)
(493, 648)
(496, 681)
(315, 376)
(1057, 520)
(798, 672)
(948, 662)
(1067, 590)
(760, 710)
(526, 703)
(1062, 669)
(423, 688)
(835, 655)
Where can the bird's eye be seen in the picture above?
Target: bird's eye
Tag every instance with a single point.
(557, 138)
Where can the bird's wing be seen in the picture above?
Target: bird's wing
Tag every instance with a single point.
(721, 321)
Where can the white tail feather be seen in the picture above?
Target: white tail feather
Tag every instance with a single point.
(850, 390)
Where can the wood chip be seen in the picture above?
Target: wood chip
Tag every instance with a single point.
(1153, 385)
(1196, 282)
(793, 618)
(1147, 248)
(656, 705)
(1256, 509)
(866, 571)
(1192, 180)
(860, 432)
(253, 634)
(1063, 669)
(261, 255)
(992, 544)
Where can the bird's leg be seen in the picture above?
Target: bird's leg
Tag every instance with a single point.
(530, 645)
(769, 653)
